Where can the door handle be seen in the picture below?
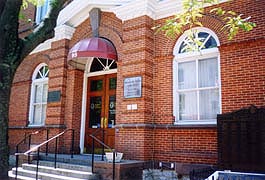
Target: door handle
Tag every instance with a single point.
(104, 122)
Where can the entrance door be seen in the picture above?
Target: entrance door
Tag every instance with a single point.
(101, 109)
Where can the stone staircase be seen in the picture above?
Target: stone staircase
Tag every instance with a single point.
(46, 171)
(66, 169)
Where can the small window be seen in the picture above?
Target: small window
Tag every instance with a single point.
(204, 39)
(101, 64)
(42, 11)
(39, 95)
(196, 78)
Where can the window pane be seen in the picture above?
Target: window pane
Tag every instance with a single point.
(45, 93)
(112, 83)
(38, 93)
(208, 73)
(210, 43)
(187, 75)
(95, 111)
(43, 114)
(188, 106)
(37, 114)
(112, 110)
(96, 85)
(209, 104)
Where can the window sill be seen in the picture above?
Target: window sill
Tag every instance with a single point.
(36, 125)
(212, 123)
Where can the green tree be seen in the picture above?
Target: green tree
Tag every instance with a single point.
(13, 50)
(194, 10)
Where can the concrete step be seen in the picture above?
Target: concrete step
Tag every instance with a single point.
(64, 166)
(66, 158)
(13, 175)
(58, 171)
(48, 176)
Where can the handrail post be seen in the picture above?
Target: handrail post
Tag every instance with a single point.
(29, 148)
(55, 158)
(93, 149)
(103, 138)
(16, 154)
(73, 141)
(113, 166)
(37, 168)
(47, 137)
(17, 158)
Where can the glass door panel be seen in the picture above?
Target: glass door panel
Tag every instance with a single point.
(112, 111)
(95, 111)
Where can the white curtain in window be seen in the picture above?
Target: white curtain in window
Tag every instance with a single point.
(208, 73)
(37, 114)
(45, 93)
(38, 92)
(209, 104)
(187, 75)
(188, 106)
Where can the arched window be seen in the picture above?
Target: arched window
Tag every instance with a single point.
(39, 95)
(196, 83)
(101, 64)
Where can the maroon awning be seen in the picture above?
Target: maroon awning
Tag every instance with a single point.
(89, 48)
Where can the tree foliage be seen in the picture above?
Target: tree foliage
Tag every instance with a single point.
(194, 10)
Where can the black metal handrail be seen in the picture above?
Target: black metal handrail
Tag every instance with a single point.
(29, 144)
(103, 140)
(37, 148)
(106, 146)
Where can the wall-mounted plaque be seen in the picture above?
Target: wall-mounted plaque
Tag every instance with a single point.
(54, 96)
(133, 87)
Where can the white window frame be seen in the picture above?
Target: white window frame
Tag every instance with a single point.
(41, 81)
(40, 15)
(188, 57)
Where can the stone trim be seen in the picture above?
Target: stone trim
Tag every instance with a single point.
(165, 126)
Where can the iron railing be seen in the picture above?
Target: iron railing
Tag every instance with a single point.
(37, 148)
(94, 138)
(29, 144)
(102, 130)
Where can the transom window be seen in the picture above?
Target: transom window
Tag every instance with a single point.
(197, 41)
(101, 64)
(39, 95)
(196, 78)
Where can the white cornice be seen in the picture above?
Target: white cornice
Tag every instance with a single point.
(78, 10)
(152, 8)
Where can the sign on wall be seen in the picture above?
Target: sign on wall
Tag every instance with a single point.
(133, 87)
(54, 96)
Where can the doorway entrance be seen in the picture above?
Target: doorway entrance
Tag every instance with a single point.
(101, 109)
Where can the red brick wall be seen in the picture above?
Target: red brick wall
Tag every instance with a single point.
(148, 132)
(20, 93)
(242, 84)
(186, 145)
(26, 23)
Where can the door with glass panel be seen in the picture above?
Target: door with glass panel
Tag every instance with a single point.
(101, 109)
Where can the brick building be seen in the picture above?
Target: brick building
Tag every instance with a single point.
(160, 100)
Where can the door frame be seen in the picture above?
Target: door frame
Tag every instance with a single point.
(88, 74)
